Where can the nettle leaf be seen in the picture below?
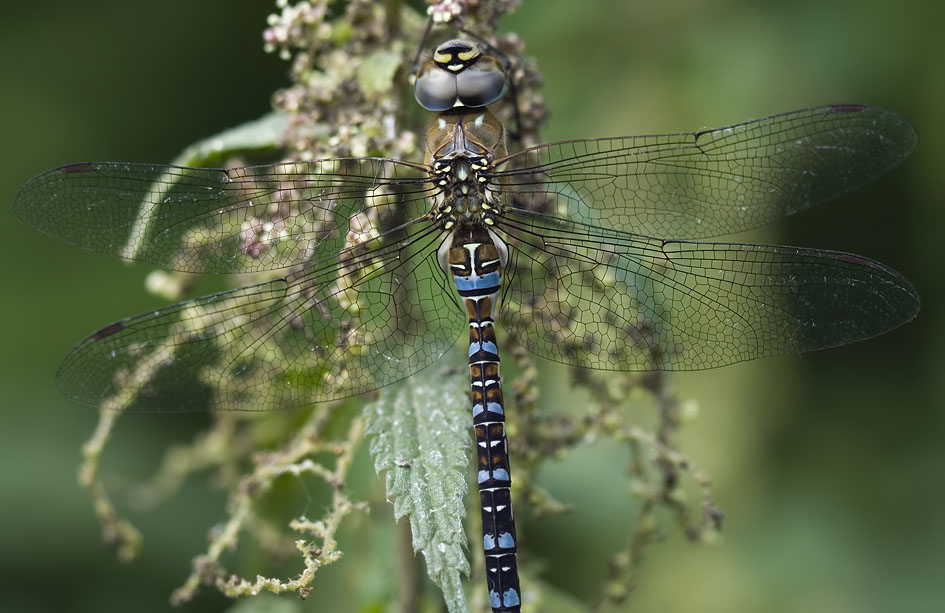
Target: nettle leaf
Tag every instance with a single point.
(253, 137)
(420, 437)
(256, 136)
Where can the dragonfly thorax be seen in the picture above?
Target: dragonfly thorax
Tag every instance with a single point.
(462, 145)
(463, 201)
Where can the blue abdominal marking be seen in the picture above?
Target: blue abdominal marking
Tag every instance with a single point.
(510, 598)
(488, 347)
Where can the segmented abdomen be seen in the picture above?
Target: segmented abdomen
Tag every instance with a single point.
(474, 260)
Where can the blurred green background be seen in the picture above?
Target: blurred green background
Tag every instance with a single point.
(830, 466)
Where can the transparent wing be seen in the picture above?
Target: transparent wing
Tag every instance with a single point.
(218, 220)
(710, 182)
(610, 300)
(373, 315)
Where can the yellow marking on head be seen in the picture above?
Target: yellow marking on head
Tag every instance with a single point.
(456, 67)
(488, 221)
(442, 58)
(448, 225)
(468, 55)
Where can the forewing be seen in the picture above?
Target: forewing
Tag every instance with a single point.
(710, 182)
(610, 300)
(378, 313)
(219, 220)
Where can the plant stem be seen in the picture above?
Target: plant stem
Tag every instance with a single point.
(408, 570)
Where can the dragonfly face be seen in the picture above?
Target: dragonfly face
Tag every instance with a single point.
(581, 250)
(459, 75)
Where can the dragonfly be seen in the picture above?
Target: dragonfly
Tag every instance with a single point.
(588, 252)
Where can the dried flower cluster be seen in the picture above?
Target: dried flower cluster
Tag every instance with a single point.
(485, 12)
(347, 73)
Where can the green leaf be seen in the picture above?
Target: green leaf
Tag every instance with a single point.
(420, 437)
(376, 73)
(258, 135)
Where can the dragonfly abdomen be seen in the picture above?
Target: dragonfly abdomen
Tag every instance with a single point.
(476, 257)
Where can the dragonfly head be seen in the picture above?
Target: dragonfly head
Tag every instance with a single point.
(459, 75)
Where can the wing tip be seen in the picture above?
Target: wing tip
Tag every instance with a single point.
(904, 132)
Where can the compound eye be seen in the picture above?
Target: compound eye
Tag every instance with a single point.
(435, 89)
(481, 84)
